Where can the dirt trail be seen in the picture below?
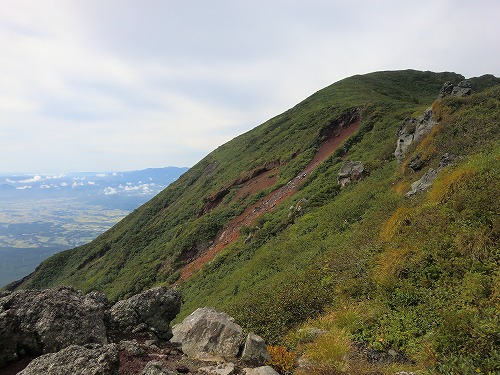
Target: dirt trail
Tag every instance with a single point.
(231, 231)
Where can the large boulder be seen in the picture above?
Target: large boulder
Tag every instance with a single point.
(150, 311)
(76, 360)
(208, 332)
(34, 322)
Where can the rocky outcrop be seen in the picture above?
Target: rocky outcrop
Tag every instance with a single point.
(72, 333)
(463, 88)
(151, 311)
(76, 360)
(36, 322)
(428, 178)
(208, 332)
(411, 131)
(423, 183)
(349, 172)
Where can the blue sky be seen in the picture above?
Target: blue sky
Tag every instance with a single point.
(93, 85)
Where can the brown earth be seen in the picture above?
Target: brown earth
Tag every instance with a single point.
(231, 231)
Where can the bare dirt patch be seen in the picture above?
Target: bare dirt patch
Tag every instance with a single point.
(231, 231)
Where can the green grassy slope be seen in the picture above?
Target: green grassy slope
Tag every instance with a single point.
(419, 275)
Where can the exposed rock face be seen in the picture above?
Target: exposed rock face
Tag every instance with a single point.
(350, 171)
(463, 88)
(151, 310)
(423, 183)
(428, 178)
(446, 90)
(255, 351)
(208, 332)
(412, 130)
(76, 360)
(37, 322)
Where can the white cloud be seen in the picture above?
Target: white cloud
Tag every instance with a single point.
(128, 85)
(24, 187)
(110, 191)
(91, 182)
(36, 178)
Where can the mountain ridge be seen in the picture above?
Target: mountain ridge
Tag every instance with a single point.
(348, 251)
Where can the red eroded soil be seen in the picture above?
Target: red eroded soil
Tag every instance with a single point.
(231, 232)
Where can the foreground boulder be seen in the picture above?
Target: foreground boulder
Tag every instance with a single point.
(208, 332)
(76, 360)
(150, 311)
(36, 322)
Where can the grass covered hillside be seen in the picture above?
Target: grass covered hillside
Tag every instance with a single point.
(349, 280)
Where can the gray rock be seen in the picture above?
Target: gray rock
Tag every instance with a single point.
(446, 160)
(225, 368)
(132, 348)
(151, 311)
(464, 88)
(423, 183)
(350, 171)
(156, 368)
(446, 90)
(76, 360)
(412, 130)
(255, 351)
(99, 297)
(416, 163)
(264, 370)
(45, 321)
(208, 332)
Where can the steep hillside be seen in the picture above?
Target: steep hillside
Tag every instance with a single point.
(261, 229)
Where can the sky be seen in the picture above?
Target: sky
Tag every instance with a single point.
(117, 85)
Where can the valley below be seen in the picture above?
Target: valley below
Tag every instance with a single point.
(41, 215)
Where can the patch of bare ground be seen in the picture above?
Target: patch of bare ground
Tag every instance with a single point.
(231, 231)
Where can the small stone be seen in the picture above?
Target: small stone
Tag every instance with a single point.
(264, 370)
(156, 368)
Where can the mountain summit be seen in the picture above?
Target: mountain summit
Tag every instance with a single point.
(358, 230)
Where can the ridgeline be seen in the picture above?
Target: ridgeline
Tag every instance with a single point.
(392, 264)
